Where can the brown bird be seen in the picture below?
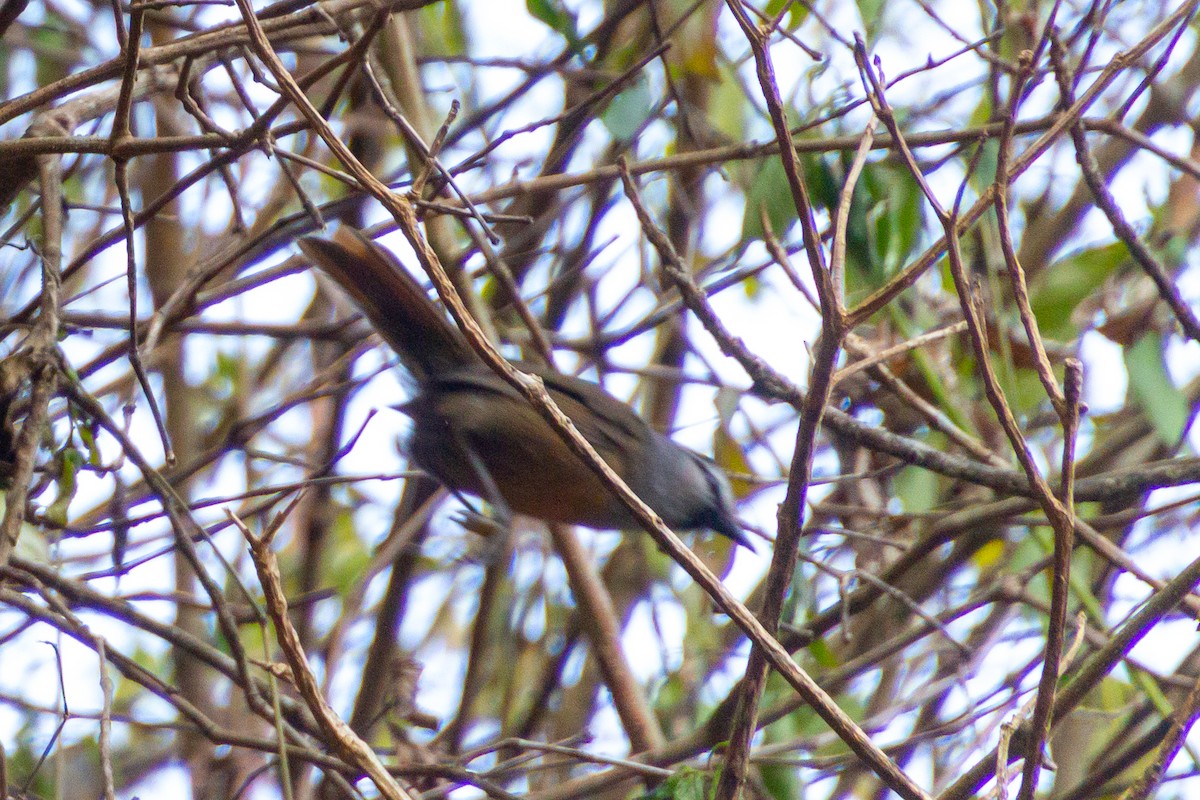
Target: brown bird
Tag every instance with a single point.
(476, 434)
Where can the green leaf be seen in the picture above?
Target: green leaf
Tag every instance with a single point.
(56, 49)
(1059, 289)
(984, 174)
(823, 185)
(727, 450)
(347, 558)
(692, 785)
(917, 489)
(885, 219)
(86, 430)
(88, 436)
(69, 462)
(229, 367)
(769, 191)
(797, 12)
(686, 784)
(727, 104)
(442, 28)
(899, 218)
(555, 15)
(1113, 694)
(694, 52)
(822, 653)
(628, 111)
(1151, 386)
(783, 781)
(872, 16)
(5, 90)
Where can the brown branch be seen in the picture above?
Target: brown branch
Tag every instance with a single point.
(599, 620)
(532, 389)
(1059, 125)
(1182, 720)
(285, 28)
(791, 512)
(338, 733)
(1089, 675)
(40, 353)
(1138, 250)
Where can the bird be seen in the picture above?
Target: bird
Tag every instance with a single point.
(477, 435)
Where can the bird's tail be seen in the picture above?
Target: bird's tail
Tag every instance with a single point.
(393, 302)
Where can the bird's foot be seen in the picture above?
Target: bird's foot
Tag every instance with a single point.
(496, 532)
